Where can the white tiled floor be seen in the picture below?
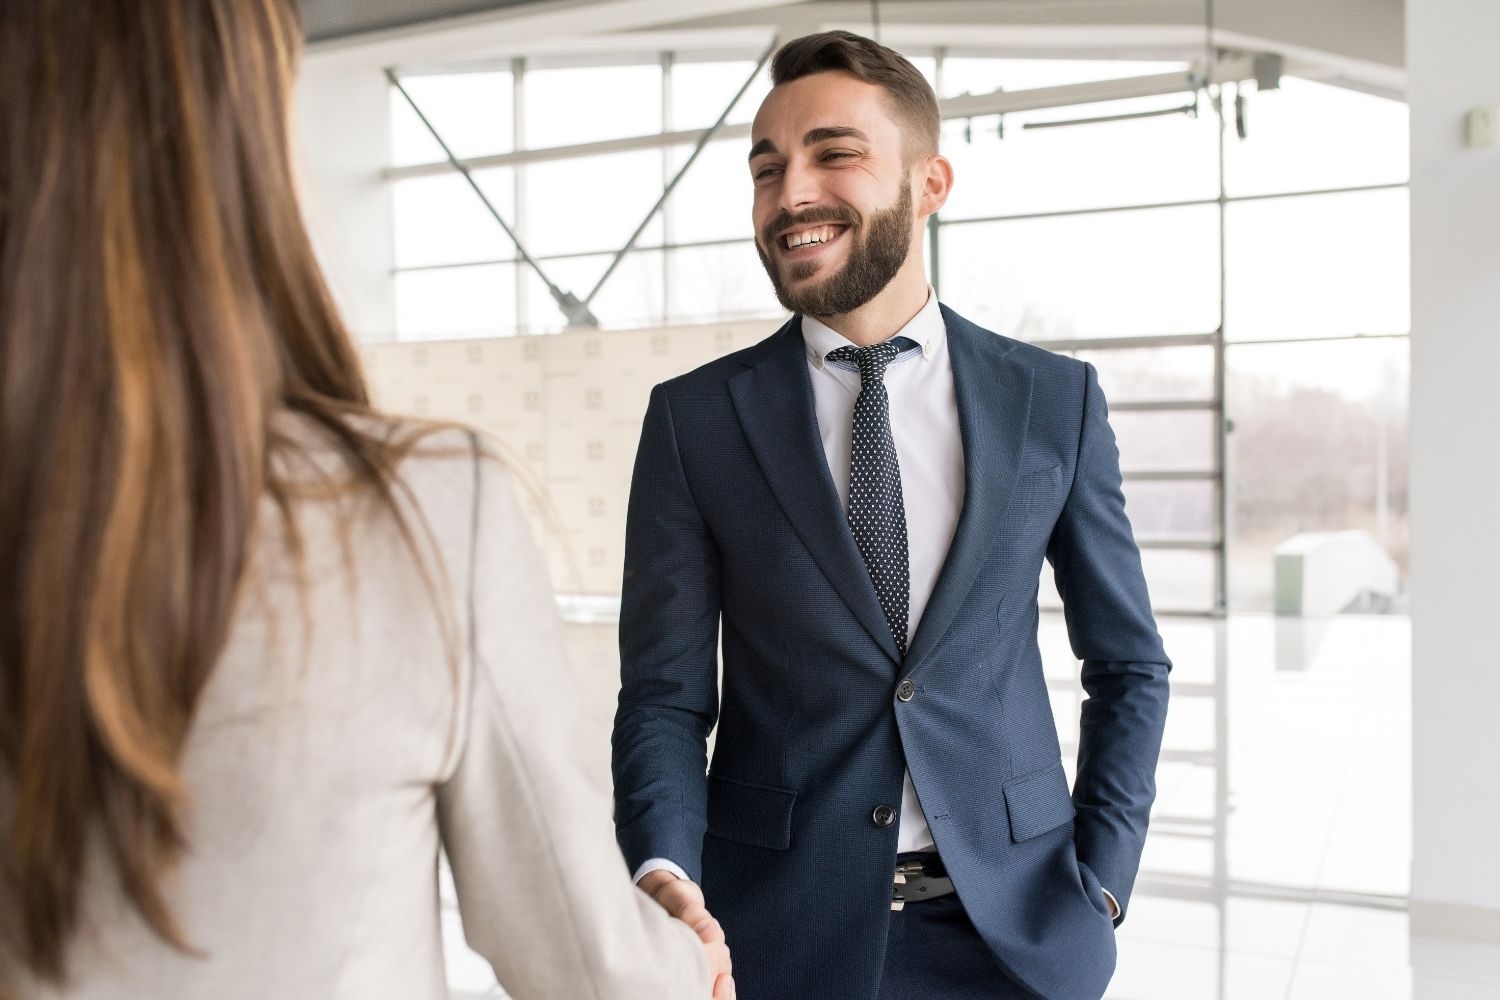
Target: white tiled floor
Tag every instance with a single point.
(1278, 859)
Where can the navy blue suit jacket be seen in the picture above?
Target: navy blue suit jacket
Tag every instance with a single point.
(735, 524)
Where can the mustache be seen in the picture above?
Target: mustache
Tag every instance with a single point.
(812, 217)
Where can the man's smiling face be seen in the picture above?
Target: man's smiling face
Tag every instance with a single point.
(833, 203)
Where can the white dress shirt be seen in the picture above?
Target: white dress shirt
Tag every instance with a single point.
(929, 449)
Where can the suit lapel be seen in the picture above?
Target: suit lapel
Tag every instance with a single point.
(993, 394)
(774, 400)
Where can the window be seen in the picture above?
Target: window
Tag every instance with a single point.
(473, 301)
(701, 89)
(1103, 231)
(440, 220)
(1309, 136)
(1319, 444)
(591, 204)
(1133, 162)
(1329, 265)
(473, 112)
(1110, 274)
(571, 105)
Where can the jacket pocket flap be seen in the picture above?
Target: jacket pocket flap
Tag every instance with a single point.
(759, 815)
(1038, 803)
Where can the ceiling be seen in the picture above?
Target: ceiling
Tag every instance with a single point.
(324, 20)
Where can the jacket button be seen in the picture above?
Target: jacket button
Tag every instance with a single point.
(883, 816)
(906, 691)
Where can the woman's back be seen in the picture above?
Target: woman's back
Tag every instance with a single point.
(360, 706)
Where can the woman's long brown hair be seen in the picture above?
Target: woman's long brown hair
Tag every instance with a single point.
(159, 304)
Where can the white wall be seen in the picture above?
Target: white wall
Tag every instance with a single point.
(567, 411)
(1455, 469)
(343, 138)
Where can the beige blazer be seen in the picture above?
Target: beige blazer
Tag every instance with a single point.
(331, 759)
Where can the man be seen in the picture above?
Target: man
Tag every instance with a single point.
(864, 501)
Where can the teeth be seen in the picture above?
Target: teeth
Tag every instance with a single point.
(820, 235)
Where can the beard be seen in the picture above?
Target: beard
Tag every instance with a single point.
(874, 258)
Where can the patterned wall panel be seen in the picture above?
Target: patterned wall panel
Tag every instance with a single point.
(567, 409)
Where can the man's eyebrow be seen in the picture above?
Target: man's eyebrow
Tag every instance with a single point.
(762, 147)
(813, 137)
(833, 132)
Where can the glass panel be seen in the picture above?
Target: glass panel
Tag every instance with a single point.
(714, 200)
(633, 296)
(978, 75)
(456, 302)
(473, 112)
(1141, 161)
(1180, 580)
(926, 65)
(565, 107)
(439, 219)
(701, 89)
(1110, 274)
(1162, 511)
(1329, 265)
(707, 284)
(591, 204)
(1319, 444)
(1153, 373)
(1307, 136)
(1175, 440)
(1177, 581)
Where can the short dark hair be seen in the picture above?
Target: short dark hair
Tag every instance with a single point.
(910, 94)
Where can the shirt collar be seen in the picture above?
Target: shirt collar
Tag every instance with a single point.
(926, 328)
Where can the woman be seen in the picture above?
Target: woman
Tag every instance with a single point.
(261, 648)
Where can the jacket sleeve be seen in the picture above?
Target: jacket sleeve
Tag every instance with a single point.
(669, 628)
(1097, 567)
(541, 886)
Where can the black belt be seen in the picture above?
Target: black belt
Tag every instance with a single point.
(919, 877)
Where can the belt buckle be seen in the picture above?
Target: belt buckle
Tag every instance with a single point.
(903, 869)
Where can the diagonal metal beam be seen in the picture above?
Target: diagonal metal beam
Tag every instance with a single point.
(577, 312)
(703, 142)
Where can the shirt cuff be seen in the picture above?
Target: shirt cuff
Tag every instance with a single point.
(662, 864)
(1114, 904)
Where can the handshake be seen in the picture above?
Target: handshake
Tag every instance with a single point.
(684, 900)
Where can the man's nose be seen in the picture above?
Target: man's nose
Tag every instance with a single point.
(799, 188)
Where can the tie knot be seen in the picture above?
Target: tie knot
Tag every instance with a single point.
(871, 361)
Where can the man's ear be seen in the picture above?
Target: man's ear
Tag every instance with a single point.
(936, 178)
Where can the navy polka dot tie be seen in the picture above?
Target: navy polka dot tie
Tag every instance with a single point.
(877, 513)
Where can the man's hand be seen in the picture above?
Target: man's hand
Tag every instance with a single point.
(684, 900)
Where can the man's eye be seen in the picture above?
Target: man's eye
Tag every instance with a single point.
(837, 154)
(765, 172)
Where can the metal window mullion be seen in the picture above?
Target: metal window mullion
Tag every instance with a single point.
(1406, 335)
(668, 64)
(1164, 406)
(935, 222)
(1221, 379)
(1177, 544)
(1170, 475)
(1127, 342)
(518, 182)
